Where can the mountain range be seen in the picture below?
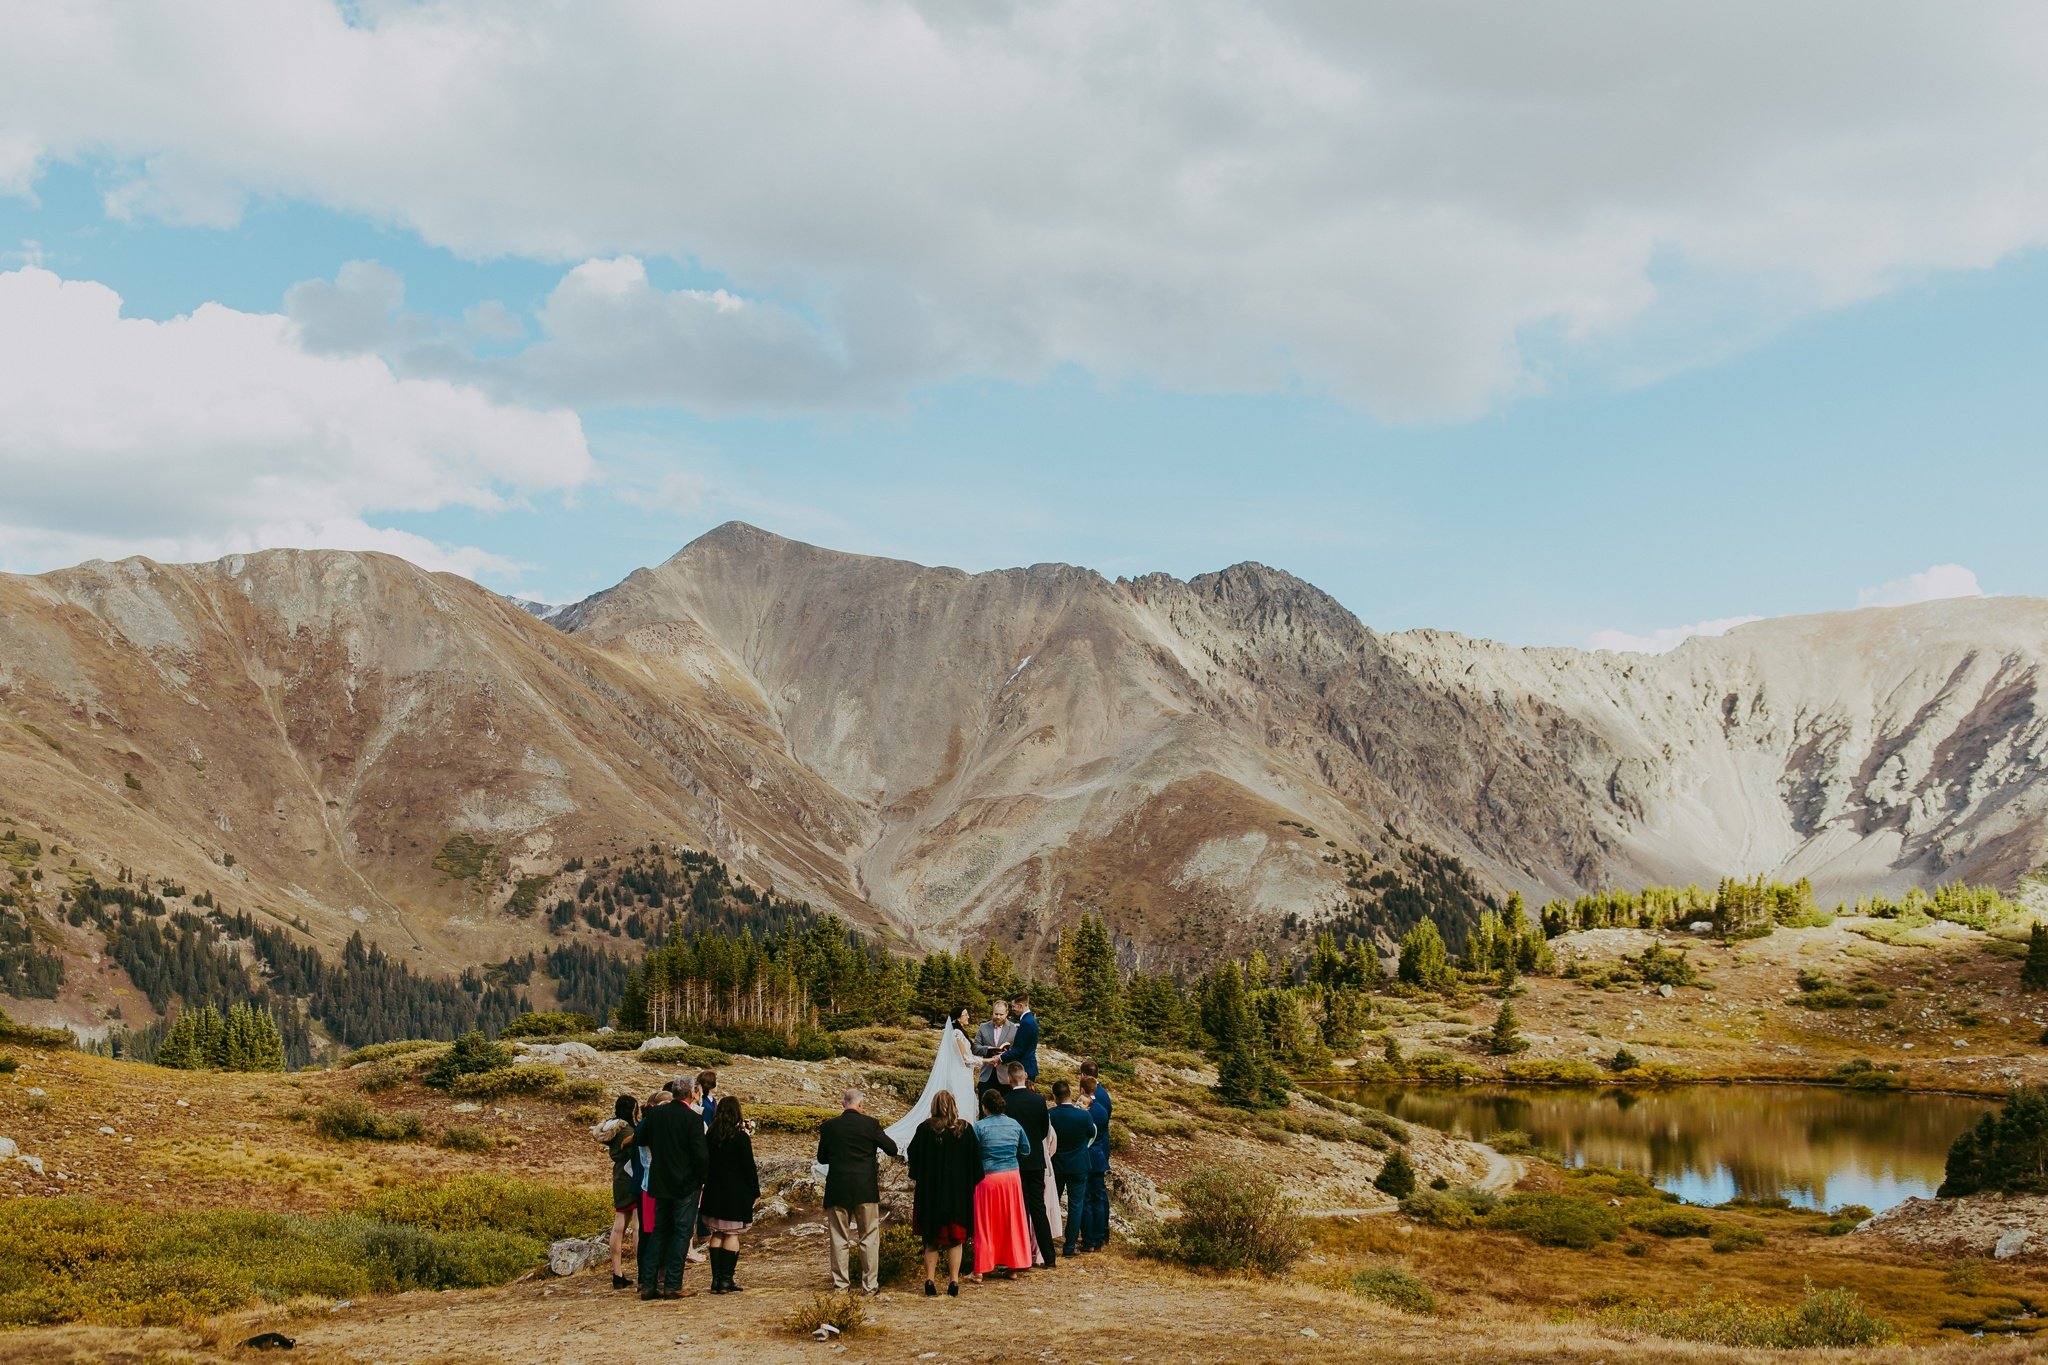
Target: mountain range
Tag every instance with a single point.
(954, 758)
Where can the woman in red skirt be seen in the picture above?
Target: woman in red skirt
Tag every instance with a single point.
(1002, 1232)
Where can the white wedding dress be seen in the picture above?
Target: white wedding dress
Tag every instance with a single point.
(953, 1069)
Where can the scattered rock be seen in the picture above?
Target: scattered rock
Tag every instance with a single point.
(2010, 1244)
(467, 1107)
(574, 1254)
(108, 1131)
(1666, 991)
(8, 1149)
(561, 1054)
(662, 1040)
(34, 1163)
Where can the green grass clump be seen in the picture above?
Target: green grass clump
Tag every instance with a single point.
(1680, 1220)
(461, 1137)
(353, 1120)
(70, 1260)
(1395, 1285)
(1556, 1220)
(463, 858)
(1553, 1071)
(1729, 1239)
(843, 1310)
(9, 1065)
(526, 895)
(1822, 1318)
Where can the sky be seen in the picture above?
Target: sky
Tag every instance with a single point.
(1556, 323)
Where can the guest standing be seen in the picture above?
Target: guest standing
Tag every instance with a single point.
(674, 1137)
(616, 1133)
(707, 1106)
(945, 1163)
(1028, 1108)
(1075, 1130)
(732, 1184)
(1095, 1232)
(1002, 1230)
(853, 1189)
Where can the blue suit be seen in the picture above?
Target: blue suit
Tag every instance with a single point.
(1024, 1047)
(1095, 1200)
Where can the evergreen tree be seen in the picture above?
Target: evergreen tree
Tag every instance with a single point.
(1391, 1050)
(1424, 963)
(1506, 1039)
(1362, 965)
(1245, 1077)
(1091, 989)
(997, 974)
(1397, 1177)
(2034, 971)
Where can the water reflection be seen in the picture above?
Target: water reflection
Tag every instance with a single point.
(1816, 1146)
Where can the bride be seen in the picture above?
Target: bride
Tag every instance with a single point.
(952, 1069)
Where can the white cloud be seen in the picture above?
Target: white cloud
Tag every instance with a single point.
(1666, 639)
(1383, 202)
(1929, 585)
(218, 432)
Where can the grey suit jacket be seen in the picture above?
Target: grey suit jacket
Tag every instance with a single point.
(988, 1042)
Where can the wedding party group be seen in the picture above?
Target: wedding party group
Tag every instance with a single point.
(998, 1168)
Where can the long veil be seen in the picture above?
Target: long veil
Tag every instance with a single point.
(950, 1071)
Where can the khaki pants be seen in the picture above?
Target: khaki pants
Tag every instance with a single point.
(865, 1221)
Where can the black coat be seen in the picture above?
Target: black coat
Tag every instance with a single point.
(731, 1183)
(1028, 1107)
(673, 1135)
(847, 1145)
(946, 1167)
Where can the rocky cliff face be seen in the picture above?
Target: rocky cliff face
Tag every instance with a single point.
(957, 756)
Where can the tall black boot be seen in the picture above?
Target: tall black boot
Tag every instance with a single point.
(732, 1263)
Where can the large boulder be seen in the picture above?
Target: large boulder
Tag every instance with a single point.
(560, 1054)
(2010, 1243)
(660, 1041)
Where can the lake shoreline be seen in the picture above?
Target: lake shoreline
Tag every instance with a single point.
(1624, 1083)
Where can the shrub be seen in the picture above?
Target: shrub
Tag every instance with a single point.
(462, 1138)
(1455, 1208)
(1623, 1060)
(473, 1054)
(1556, 1220)
(377, 1052)
(1668, 1221)
(1440, 1068)
(1822, 1318)
(1514, 1142)
(843, 1311)
(1552, 1071)
(9, 1065)
(1395, 1285)
(350, 1120)
(1233, 1218)
(378, 1080)
(538, 1079)
(789, 1118)
(28, 1035)
(1737, 1239)
(473, 1203)
(617, 1041)
(548, 1024)
(902, 1257)
(1396, 1177)
(409, 1257)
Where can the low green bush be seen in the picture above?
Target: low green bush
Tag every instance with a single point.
(1452, 1208)
(1552, 1071)
(378, 1052)
(463, 1138)
(1729, 1239)
(616, 1041)
(844, 1311)
(548, 1024)
(1395, 1285)
(349, 1119)
(1556, 1220)
(1672, 1221)
(1233, 1218)
(472, 1055)
(472, 1203)
(9, 1065)
(789, 1118)
(1822, 1318)
(28, 1035)
(1396, 1177)
(540, 1078)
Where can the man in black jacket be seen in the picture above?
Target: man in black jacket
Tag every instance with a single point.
(1028, 1107)
(853, 1189)
(673, 1135)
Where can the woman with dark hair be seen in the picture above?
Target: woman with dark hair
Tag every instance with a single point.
(616, 1133)
(732, 1184)
(945, 1162)
(1002, 1231)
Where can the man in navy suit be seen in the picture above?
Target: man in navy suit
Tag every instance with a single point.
(1095, 1200)
(1023, 1047)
